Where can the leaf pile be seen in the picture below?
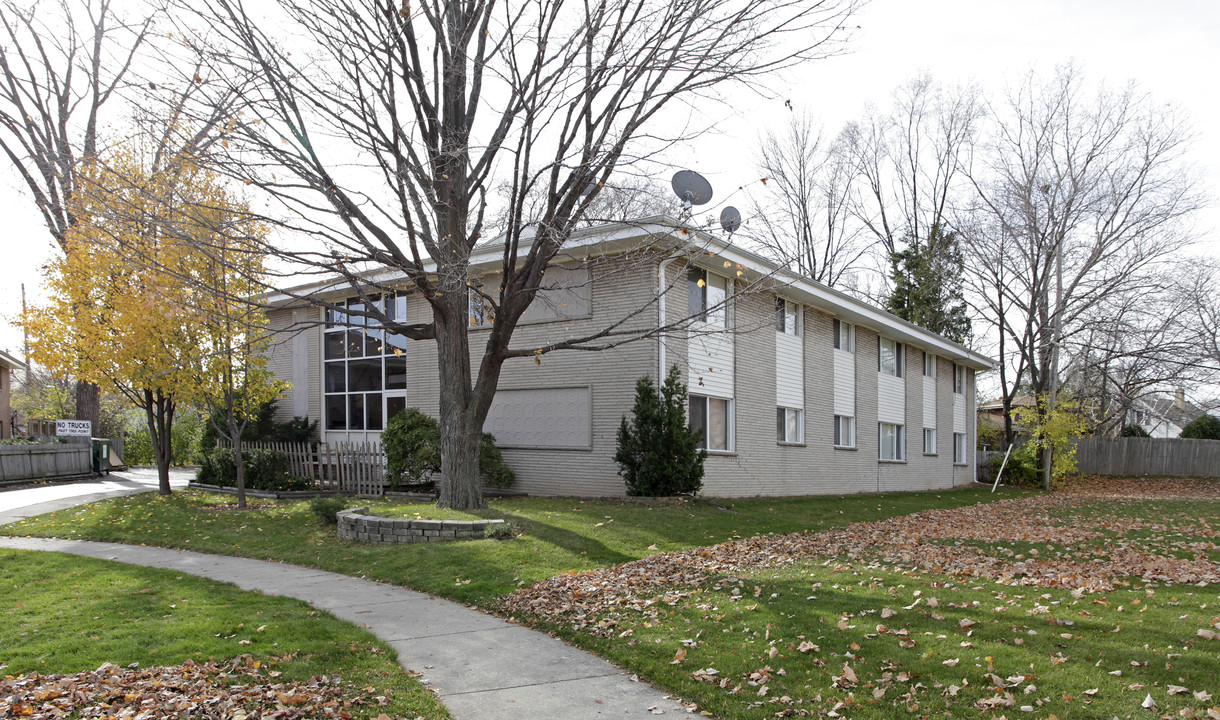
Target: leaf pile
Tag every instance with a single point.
(233, 690)
(1090, 552)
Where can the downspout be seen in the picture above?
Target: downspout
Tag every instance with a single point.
(975, 435)
(661, 316)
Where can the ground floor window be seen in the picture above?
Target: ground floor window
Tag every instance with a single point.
(892, 445)
(364, 367)
(789, 425)
(845, 431)
(959, 448)
(929, 441)
(711, 420)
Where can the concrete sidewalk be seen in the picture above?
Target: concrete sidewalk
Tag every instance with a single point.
(30, 501)
(484, 668)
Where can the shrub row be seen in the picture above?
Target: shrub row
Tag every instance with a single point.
(264, 470)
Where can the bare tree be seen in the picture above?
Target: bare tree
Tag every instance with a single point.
(61, 64)
(805, 220)
(1084, 198)
(383, 129)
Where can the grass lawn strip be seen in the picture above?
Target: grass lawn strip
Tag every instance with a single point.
(81, 637)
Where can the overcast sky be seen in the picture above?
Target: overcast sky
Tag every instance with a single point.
(1169, 48)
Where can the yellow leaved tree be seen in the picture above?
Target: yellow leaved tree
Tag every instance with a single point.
(136, 298)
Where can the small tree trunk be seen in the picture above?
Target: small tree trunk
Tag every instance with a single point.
(159, 412)
(241, 468)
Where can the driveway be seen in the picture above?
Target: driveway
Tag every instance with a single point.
(19, 504)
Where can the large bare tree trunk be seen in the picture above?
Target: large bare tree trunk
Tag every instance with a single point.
(461, 428)
(89, 404)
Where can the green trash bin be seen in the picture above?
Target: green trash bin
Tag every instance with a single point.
(101, 456)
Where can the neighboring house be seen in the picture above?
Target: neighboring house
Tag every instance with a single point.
(798, 389)
(1162, 415)
(8, 364)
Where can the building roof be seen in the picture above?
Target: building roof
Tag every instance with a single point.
(9, 361)
(998, 403)
(712, 253)
(1165, 407)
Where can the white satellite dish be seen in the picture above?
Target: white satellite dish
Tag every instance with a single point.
(691, 188)
(730, 219)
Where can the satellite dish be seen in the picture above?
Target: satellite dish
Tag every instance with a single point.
(730, 219)
(691, 188)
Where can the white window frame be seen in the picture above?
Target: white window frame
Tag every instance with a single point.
(787, 317)
(896, 351)
(844, 425)
(712, 285)
(959, 379)
(929, 364)
(782, 417)
(895, 452)
(929, 441)
(959, 448)
(704, 442)
(844, 335)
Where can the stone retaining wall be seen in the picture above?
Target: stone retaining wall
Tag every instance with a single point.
(357, 524)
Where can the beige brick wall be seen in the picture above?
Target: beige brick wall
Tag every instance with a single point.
(759, 465)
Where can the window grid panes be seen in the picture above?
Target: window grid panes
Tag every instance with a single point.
(845, 431)
(844, 336)
(364, 369)
(710, 419)
(889, 358)
(929, 441)
(789, 425)
(890, 439)
(787, 317)
(959, 448)
(706, 293)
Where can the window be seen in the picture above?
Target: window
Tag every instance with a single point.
(959, 448)
(482, 312)
(364, 379)
(929, 365)
(889, 357)
(892, 442)
(959, 379)
(845, 431)
(787, 319)
(710, 419)
(789, 425)
(929, 441)
(707, 295)
(845, 336)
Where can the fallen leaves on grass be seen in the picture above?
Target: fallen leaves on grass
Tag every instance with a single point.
(666, 578)
(233, 689)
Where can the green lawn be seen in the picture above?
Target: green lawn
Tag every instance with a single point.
(560, 535)
(873, 632)
(65, 614)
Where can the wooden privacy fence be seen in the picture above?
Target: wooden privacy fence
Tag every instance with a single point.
(1170, 457)
(33, 462)
(350, 467)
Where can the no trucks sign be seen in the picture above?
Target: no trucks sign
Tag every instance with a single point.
(73, 428)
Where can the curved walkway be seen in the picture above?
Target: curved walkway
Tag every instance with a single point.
(483, 667)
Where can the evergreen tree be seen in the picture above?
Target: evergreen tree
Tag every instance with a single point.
(1204, 427)
(658, 453)
(928, 285)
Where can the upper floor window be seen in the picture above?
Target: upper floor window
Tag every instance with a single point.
(482, 312)
(959, 379)
(364, 368)
(707, 294)
(889, 359)
(929, 365)
(844, 336)
(787, 317)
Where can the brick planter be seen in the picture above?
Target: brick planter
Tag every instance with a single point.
(357, 524)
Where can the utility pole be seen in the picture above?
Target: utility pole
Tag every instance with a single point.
(1048, 452)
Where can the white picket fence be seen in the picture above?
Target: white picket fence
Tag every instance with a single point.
(350, 467)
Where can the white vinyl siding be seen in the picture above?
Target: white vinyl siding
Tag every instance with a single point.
(542, 418)
(789, 371)
(845, 383)
(891, 399)
(710, 358)
(300, 360)
(929, 402)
